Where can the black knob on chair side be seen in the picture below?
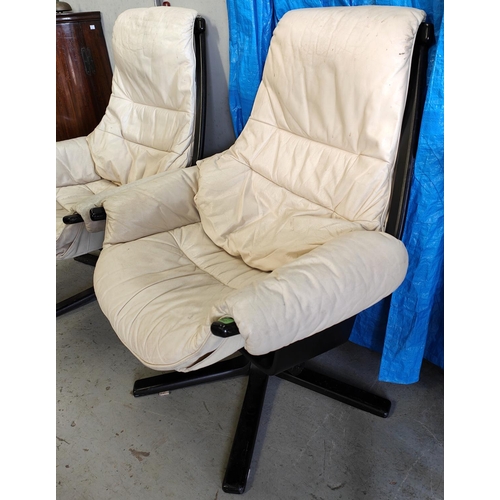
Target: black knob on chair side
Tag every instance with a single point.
(72, 219)
(97, 213)
(225, 327)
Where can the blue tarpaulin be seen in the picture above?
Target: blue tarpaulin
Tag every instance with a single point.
(411, 327)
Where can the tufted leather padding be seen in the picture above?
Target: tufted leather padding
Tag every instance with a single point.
(284, 231)
(317, 155)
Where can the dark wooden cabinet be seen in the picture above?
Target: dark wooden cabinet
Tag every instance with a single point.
(83, 74)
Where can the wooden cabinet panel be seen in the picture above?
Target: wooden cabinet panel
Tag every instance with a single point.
(83, 74)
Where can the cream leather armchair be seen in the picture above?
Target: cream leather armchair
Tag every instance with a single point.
(270, 249)
(153, 125)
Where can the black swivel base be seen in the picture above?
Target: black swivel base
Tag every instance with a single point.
(238, 466)
(80, 298)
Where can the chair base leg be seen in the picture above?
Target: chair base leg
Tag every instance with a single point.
(88, 258)
(240, 458)
(234, 367)
(75, 301)
(339, 391)
(81, 298)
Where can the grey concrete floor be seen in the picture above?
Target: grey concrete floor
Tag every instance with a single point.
(111, 445)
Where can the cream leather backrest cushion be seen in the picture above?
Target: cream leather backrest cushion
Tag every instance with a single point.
(149, 123)
(316, 157)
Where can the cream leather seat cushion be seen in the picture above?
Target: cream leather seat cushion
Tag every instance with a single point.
(155, 285)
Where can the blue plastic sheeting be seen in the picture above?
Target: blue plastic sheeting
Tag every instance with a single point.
(410, 327)
(251, 25)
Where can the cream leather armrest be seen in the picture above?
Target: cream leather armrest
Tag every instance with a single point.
(321, 288)
(152, 205)
(74, 164)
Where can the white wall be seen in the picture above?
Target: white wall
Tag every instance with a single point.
(219, 130)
